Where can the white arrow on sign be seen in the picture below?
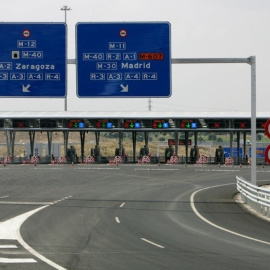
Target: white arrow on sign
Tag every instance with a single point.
(25, 88)
(124, 88)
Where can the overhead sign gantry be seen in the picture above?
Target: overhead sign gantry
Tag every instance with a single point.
(33, 59)
(123, 59)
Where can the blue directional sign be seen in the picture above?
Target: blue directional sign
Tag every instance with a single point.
(33, 59)
(123, 59)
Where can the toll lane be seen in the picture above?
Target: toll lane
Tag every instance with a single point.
(134, 217)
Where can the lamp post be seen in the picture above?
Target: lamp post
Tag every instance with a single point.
(65, 9)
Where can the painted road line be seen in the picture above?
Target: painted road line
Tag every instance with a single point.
(122, 205)
(4, 197)
(117, 219)
(10, 230)
(192, 203)
(8, 246)
(19, 222)
(98, 168)
(225, 170)
(149, 169)
(61, 200)
(152, 243)
(26, 203)
(8, 260)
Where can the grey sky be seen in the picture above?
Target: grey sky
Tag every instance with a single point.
(199, 28)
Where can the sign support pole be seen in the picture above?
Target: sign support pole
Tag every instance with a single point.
(253, 120)
(252, 61)
(65, 9)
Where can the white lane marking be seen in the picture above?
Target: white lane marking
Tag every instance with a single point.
(214, 225)
(10, 230)
(51, 168)
(61, 200)
(8, 260)
(93, 168)
(225, 170)
(26, 203)
(117, 219)
(30, 249)
(8, 246)
(152, 243)
(149, 169)
(4, 197)
(122, 205)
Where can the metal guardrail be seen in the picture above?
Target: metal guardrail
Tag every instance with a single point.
(258, 198)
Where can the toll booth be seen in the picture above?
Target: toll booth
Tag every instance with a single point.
(194, 153)
(219, 155)
(144, 151)
(168, 153)
(71, 154)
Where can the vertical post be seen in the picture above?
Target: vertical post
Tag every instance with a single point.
(32, 141)
(49, 137)
(82, 136)
(10, 136)
(186, 139)
(253, 120)
(244, 144)
(231, 144)
(120, 134)
(8, 141)
(176, 142)
(65, 133)
(134, 145)
(65, 9)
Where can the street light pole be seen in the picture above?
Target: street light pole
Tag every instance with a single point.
(65, 8)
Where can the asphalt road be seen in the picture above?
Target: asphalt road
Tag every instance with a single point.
(128, 217)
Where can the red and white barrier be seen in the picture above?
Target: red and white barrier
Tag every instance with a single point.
(90, 160)
(174, 159)
(201, 160)
(228, 161)
(62, 160)
(34, 160)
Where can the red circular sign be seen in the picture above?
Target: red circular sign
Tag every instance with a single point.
(26, 33)
(267, 128)
(123, 33)
(267, 154)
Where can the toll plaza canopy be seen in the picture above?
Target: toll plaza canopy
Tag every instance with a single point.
(149, 121)
(145, 121)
